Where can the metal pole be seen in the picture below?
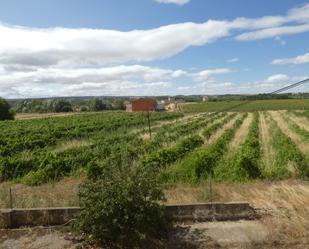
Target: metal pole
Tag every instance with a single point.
(149, 125)
(11, 199)
(210, 189)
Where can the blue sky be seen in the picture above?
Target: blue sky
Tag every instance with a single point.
(148, 47)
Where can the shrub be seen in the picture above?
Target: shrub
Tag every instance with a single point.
(120, 209)
(62, 106)
(97, 105)
(5, 110)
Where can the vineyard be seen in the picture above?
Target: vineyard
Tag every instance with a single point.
(249, 106)
(226, 146)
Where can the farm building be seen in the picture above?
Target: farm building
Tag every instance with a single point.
(142, 105)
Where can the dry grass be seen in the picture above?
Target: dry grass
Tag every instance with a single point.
(24, 116)
(62, 193)
(286, 203)
(218, 133)
(71, 144)
(297, 139)
(301, 121)
(268, 152)
(241, 133)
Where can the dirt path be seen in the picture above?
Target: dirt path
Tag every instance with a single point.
(219, 132)
(268, 152)
(217, 120)
(241, 133)
(298, 140)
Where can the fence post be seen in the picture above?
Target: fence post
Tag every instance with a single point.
(149, 125)
(11, 198)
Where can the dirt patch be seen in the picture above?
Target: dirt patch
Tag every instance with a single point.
(241, 133)
(34, 238)
(268, 152)
(285, 203)
(218, 133)
(241, 232)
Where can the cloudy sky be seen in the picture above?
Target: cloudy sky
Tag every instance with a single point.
(151, 47)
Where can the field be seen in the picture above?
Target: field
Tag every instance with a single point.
(249, 106)
(185, 149)
(261, 157)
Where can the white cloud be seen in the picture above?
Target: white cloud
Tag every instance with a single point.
(233, 60)
(277, 78)
(206, 74)
(116, 80)
(271, 32)
(271, 83)
(178, 2)
(67, 47)
(271, 26)
(300, 59)
(75, 47)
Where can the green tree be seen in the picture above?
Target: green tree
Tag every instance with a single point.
(6, 113)
(97, 105)
(62, 106)
(118, 104)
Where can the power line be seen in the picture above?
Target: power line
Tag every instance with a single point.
(290, 86)
(274, 92)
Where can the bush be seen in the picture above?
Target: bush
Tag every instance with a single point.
(5, 110)
(62, 106)
(121, 209)
(97, 105)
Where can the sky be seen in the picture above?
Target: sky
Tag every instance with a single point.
(56, 48)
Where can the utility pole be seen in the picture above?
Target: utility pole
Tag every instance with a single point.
(149, 125)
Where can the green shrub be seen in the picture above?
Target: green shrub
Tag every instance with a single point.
(120, 209)
(5, 110)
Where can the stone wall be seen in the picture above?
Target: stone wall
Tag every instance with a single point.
(177, 213)
(210, 212)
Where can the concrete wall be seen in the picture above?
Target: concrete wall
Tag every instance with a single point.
(36, 217)
(210, 212)
(177, 213)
